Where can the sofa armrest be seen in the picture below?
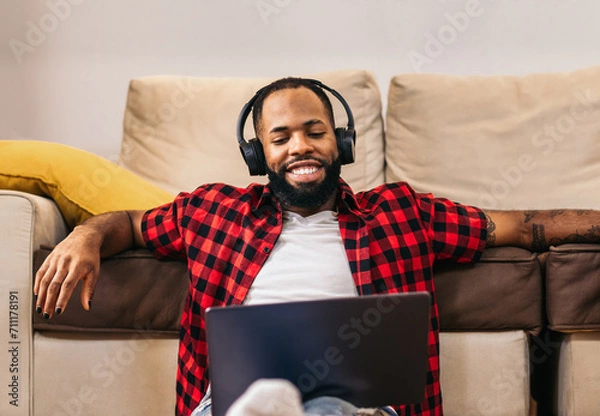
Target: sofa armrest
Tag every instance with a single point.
(40, 222)
(26, 222)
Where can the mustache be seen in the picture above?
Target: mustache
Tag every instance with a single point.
(286, 165)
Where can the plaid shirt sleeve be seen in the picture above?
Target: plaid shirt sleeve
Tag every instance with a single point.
(458, 232)
(162, 231)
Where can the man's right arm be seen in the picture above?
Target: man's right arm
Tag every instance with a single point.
(78, 256)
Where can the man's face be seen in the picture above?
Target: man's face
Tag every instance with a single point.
(300, 148)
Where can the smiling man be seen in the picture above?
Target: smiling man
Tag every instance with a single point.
(305, 235)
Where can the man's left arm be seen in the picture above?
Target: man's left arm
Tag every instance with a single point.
(538, 230)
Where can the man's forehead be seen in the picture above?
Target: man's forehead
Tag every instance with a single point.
(282, 101)
(279, 106)
(307, 123)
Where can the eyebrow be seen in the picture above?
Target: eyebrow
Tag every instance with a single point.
(305, 124)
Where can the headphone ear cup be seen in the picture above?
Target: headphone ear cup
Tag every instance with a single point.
(255, 158)
(345, 142)
(253, 155)
(247, 154)
(261, 163)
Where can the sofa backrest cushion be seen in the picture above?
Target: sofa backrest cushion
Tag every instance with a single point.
(180, 132)
(504, 142)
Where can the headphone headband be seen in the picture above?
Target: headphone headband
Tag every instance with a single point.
(241, 122)
(252, 150)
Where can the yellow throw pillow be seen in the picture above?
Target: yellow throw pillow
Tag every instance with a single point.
(81, 183)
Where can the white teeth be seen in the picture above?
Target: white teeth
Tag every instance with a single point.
(304, 171)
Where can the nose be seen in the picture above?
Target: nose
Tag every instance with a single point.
(300, 144)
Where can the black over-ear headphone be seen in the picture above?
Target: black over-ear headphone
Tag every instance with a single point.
(252, 150)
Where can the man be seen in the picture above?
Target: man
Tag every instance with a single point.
(239, 243)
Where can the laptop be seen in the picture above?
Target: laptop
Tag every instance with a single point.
(370, 350)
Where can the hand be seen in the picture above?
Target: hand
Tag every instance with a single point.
(76, 258)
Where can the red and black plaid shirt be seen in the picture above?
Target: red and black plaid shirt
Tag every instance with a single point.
(392, 237)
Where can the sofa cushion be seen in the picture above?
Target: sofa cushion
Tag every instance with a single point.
(573, 287)
(99, 375)
(485, 373)
(180, 132)
(505, 142)
(577, 381)
(470, 298)
(135, 292)
(500, 292)
(80, 183)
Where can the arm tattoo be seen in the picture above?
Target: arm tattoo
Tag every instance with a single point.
(491, 235)
(561, 226)
(572, 238)
(556, 212)
(591, 236)
(593, 233)
(552, 213)
(539, 238)
(529, 215)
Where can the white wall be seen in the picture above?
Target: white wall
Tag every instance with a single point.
(68, 84)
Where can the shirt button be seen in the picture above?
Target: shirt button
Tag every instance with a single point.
(266, 250)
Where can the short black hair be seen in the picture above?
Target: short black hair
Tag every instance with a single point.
(284, 84)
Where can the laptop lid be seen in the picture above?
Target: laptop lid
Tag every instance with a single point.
(370, 350)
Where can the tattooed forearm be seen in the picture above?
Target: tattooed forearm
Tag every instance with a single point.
(491, 232)
(539, 243)
(592, 235)
(537, 230)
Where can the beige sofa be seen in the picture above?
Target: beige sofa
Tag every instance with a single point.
(477, 140)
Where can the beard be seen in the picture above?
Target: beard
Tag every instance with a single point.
(305, 195)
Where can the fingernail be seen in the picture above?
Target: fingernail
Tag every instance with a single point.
(46, 315)
(58, 311)
(38, 309)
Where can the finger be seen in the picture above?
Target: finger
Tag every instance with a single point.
(40, 274)
(66, 290)
(53, 291)
(87, 291)
(43, 281)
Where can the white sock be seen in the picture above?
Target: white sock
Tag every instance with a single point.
(268, 397)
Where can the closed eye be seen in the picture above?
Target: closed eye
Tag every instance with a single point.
(316, 135)
(280, 140)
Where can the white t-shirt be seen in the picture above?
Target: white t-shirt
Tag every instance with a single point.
(308, 262)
